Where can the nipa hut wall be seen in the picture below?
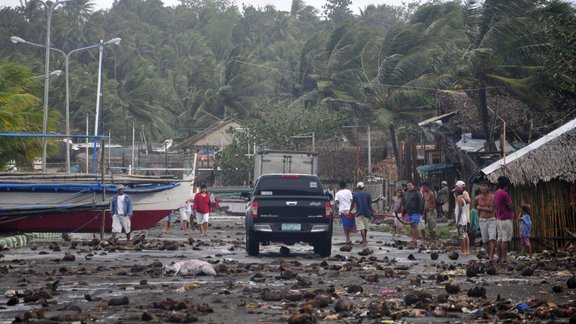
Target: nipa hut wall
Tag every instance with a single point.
(553, 209)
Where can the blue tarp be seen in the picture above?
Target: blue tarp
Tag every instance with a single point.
(82, 187)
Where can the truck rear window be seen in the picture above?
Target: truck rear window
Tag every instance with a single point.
(277, 186)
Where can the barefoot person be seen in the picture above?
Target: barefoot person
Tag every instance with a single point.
(202, 207)
(396, 211)
(504, 215)
(362, 201)
(121, 210)
(485, 207)
(430, 210)
(414, 206)
(185, 211)
(343, 200)
(461, 221)
(525, 228)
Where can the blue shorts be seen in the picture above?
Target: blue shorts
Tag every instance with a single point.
(414, 218)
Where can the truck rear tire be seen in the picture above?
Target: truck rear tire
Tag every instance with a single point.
(252, 245)
(323, 246)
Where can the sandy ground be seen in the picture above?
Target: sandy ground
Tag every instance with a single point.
(83, 281)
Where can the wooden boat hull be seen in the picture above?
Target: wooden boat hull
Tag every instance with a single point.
(80, 221)
(40, 210)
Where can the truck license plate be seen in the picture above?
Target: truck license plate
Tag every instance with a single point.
(290, 227)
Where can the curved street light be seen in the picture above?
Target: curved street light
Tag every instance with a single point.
(113, 41)
(54, 73)
(49, 6)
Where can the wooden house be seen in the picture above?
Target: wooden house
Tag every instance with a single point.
(543, 175)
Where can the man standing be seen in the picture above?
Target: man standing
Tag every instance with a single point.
(430, 210)
(443, 197)
(121, 210)
(485, 206)
(414, 205)
(202, 207)
(504, 215)
(343, 200)
(362, 201)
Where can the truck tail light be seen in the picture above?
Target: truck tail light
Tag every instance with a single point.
(328, 210)
(254, 209)
(289, 176)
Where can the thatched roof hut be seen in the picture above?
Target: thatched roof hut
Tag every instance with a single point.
(551, 157)
(543, 175)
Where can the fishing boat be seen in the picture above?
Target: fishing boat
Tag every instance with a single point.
(33, 202)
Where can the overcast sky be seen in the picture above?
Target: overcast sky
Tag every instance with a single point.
(279, 4)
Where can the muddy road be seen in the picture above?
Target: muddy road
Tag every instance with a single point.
(81, 280)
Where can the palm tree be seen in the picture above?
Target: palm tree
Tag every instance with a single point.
(504, 54)
(415, 61)
(20, 112)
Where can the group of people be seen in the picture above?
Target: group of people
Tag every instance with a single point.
(200, 205)
(491, 215)
(418, 208)
(496, 214)
(355, 210)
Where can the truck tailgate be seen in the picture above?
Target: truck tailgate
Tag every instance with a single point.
(286, 208)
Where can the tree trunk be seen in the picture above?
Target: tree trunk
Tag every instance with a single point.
(394, 141)
(483, 109)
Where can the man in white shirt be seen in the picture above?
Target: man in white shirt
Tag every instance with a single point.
(121, 211)
(343, 201)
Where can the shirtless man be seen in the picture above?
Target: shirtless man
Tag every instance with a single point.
(485, 206)
(430, 210)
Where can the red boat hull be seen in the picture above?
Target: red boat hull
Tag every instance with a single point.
(86, 221)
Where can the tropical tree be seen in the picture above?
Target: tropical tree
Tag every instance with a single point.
(20, 113)
(506, 48)
(416, 59)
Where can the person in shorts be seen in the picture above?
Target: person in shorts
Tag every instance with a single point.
(414, 206)
(121, 210)
(504, 215)
(430, 214)
(396, 211)
(461, 220)
(202, 207)
(185, 211)
(343, 200)
(525, 228)
(362, 202)
(484, 203)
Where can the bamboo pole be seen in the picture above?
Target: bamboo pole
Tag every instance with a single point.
(103, 212)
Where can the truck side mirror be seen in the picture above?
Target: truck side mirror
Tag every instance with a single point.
(245, 196)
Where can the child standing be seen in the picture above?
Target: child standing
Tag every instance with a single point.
(396, 211)
(525, 228)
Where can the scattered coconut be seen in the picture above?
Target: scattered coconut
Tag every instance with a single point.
(453, 255)
(452, 287)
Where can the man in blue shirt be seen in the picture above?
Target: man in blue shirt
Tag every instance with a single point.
(362, 202)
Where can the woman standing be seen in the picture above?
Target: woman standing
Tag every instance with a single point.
(202, 207)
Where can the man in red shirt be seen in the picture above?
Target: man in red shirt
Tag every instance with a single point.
(202, 208)
(504, 215)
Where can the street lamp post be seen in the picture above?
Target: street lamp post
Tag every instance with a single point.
(16, 39)
(49, 6)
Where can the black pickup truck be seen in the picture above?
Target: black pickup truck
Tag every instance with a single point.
(289, 208)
